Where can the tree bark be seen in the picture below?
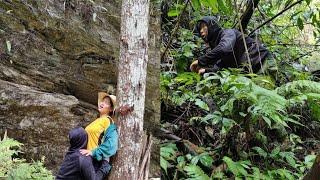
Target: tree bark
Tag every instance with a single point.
(131, 88)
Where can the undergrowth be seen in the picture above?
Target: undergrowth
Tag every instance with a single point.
(14, 168)
(248, 127)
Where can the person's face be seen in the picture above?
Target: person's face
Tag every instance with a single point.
(203, 30)
(105, 106)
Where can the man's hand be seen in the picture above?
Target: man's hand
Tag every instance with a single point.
(85, 152)
(201, 71)
(194, 66)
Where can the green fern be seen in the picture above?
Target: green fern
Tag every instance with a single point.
(167, 152)
(195, 172)
(299, 87)
(8, 148)
(263, 103)
(16, 168)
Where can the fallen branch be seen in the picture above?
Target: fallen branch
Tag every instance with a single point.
(185, 145)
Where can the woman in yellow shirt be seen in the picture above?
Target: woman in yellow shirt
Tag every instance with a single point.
(97, 133)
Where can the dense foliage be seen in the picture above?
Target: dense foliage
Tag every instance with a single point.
(233, 124)
(12, 167)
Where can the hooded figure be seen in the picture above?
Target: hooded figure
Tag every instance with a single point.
(75, 165)
(227, 48)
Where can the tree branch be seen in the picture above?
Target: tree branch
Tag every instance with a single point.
(271, 19)
(285, 44)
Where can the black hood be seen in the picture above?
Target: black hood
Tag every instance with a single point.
(213, 28)
(70, 166)
(78, 139)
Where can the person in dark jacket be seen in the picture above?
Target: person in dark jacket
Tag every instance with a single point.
(227, 49)
(75, 165)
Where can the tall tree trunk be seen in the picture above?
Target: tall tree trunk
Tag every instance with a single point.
(131, 88)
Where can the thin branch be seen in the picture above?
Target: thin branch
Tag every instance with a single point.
(271, 19)
(169, 135)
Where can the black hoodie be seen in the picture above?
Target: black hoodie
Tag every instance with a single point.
(75, 165)
(227, 48)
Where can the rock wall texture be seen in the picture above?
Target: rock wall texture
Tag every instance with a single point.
(55, 55)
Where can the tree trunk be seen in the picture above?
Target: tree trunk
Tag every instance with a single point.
(245, 18)
(131, 88)
(314, 172)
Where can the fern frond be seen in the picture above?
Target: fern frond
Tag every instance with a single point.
(195, 172)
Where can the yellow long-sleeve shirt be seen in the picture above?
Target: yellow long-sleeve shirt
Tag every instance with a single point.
(95, 130)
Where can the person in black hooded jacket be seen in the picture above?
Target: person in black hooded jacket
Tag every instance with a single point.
(77, 166)
(227, 48)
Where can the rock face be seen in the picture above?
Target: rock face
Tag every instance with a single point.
(55, 55)
(41, 120)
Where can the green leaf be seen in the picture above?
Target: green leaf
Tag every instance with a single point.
(213, 4)
(188, 53)
(231, 165)
(227, 124)
(267, 120)
(235, 167)
(174, 12)
(206, 160)
(181, 160)
(256, 173)
(219, 175)
(309, 160)
(291, 161)
(195, 160)
(195, 172)
(223, 7)
(294, 121)
(202, 104)
(300, 23)
(275, 152)
(164, 164)
(260, 151)
(168, 151)
(196, 4)
(308, 1)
